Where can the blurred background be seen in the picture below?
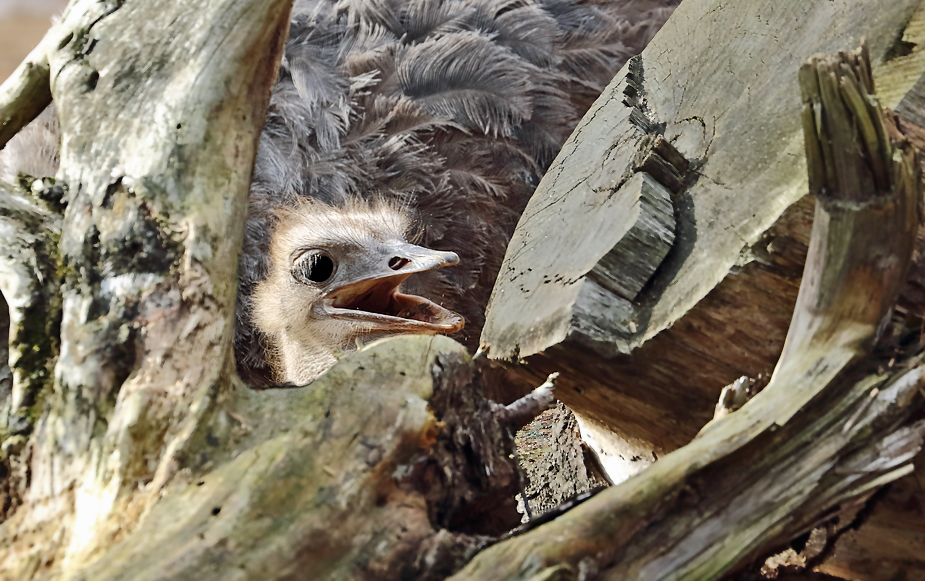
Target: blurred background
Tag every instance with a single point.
(22, 25)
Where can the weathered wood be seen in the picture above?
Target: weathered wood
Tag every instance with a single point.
(825, 430)
(888, 543)
(735, 395)
(368, 473)
(718, 305)
(696, 514)
(558, 465)
(158, 142)
(629, 265)
(6, 375)
(133, 427)
(890, 540)
(522, 411)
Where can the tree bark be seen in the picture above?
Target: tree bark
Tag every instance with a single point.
(158, 140)
(28, 280)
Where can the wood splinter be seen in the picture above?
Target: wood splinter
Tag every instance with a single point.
(525, 409)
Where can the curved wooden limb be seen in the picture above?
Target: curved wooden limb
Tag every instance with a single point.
(160, 105)
(827, 428)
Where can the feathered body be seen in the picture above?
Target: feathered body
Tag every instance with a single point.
(452, 109)
(33, 151)
(447, 112)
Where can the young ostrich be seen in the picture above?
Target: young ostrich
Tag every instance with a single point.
(435, 115)
(334, 280)
(449, 109)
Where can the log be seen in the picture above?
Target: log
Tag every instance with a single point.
(371, 472)
(830, 426)
(158, 141)
(643, 376)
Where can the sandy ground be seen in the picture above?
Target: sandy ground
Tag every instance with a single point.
(18, 35)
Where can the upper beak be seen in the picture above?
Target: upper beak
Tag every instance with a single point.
(373, 297)
(408, 259)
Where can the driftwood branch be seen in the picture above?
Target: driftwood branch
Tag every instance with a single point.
(825, 430)
(158, 142)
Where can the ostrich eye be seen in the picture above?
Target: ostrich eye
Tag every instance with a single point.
(314, 267)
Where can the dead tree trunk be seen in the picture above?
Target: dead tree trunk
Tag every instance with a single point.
(132, 449)
(138, 454)
(157, 147)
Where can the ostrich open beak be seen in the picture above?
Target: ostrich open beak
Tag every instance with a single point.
(373, 299)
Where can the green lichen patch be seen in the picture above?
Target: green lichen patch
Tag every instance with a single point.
(35, 340)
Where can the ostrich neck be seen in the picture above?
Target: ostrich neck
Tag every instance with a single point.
(302, 358)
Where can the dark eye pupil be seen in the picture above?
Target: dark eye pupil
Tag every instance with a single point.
(317, 268)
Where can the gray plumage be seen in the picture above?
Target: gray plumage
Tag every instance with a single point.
(452, 109)
(445, 111)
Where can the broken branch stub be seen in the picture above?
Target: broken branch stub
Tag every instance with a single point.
(890, 542)
(825, 430)
(867, 183)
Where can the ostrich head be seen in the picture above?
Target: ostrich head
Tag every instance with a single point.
(334, 281)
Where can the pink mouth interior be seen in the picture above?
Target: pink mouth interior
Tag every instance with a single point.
(382, 298)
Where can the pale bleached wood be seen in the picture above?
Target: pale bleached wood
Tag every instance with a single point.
(889, 541)
(29, 233)
(158, 135)
(715, 82)
(356, 476)
(27, 92)
(825, 430)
